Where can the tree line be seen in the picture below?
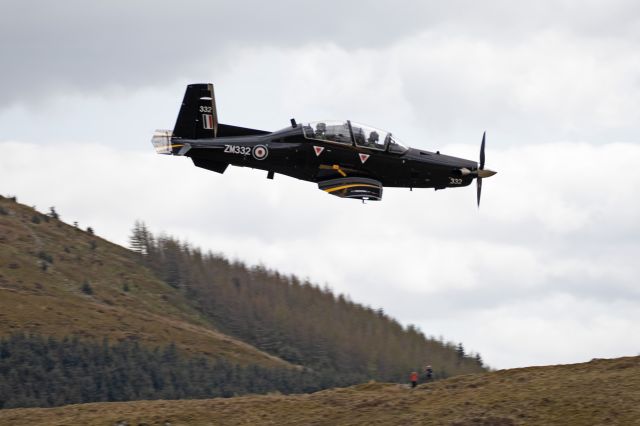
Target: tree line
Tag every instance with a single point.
(37, 371)
(296, 320)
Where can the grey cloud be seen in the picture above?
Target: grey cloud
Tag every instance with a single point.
(78, 46)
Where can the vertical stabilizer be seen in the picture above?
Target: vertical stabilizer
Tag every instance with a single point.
(198, 117)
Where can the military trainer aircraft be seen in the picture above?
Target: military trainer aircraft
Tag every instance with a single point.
(344, 158)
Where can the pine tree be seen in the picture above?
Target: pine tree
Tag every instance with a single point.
(140, 240)
(478, 360)
(460, 351)
(53, 214)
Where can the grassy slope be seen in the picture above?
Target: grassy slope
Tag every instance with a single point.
(51, 302)
(600, 392)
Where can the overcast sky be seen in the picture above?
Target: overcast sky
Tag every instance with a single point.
(545, 272)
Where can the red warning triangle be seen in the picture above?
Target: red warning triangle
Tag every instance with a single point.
(364, 157)
(318, 150)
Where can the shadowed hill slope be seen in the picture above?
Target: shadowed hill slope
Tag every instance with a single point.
(58, 280)
(600, 392)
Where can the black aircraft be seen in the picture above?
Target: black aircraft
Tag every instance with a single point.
(344, 158)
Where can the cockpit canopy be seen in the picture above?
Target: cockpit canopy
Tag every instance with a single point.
(348, 132)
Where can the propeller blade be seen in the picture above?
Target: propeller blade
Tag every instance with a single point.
(479, 188)
(482, 151)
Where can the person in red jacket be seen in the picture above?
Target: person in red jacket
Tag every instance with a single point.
(414, 379)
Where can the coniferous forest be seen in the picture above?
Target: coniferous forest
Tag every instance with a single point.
(44, 372)
(295, 320)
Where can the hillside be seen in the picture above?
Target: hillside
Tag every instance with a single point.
(85, 320)
(600, 392)
(44, 264)
(298, 321)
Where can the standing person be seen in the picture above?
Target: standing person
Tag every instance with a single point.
(414, 379)
(428, 373)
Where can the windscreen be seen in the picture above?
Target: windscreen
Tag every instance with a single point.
(369, 137)
(331, 131)
(396, 147)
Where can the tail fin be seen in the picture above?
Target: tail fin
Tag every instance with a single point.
(198, 117)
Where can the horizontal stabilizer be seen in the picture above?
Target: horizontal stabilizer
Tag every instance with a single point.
(214, 166)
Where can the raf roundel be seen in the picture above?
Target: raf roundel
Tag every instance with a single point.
(260, 152)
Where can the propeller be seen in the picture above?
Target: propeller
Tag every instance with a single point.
(482, 172)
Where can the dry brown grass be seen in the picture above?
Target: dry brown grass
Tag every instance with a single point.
(600, 392)
(51, 302)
